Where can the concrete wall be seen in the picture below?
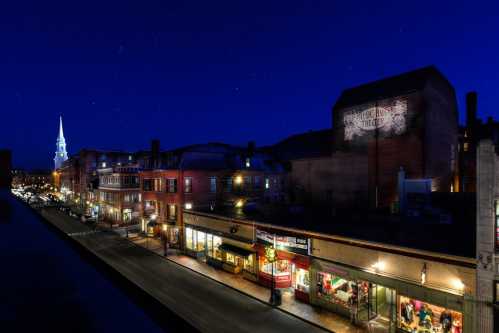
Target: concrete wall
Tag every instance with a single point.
(440, 276)
(487, 193)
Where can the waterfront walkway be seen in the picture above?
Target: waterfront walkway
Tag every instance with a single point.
(207, 305)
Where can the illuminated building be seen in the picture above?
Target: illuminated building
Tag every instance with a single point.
(61, 154)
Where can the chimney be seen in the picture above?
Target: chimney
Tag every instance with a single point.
(251, 147)
(154, 153)
(471, 105)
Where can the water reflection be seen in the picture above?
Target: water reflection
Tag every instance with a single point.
(46, 286)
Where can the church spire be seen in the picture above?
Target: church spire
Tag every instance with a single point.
(60, 154)
(61, 132)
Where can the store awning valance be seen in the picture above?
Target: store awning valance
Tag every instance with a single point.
(234, 250)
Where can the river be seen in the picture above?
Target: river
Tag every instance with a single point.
(48, 285)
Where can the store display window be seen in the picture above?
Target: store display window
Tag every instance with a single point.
(249, 264)
(213, 242)
(417, 316)
(195, 240)
(336, 289)
(190, 240)
(302, 280)
(281, 267)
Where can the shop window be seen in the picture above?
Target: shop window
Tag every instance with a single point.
(302, 280)
(417, 316)
(230, 258)
(190, 239)
(249, 265)
(336, 289)
(201, 241)
(281, 267)
(213, 242)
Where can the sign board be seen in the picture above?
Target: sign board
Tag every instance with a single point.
(287, 243)
(389, 117)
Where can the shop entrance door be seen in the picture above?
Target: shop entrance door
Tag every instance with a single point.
(372, 301)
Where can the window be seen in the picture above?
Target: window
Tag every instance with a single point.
(414, 314)
(281, 267)
(213, 184)
(131, 197)
(336, 289)
(127, 215)
(201, 241)
(172, 212)
(190, 242)
(188, 184)
(247, 182)
(466, 146)
(267, 183)
(230, 258)
(228, 185)
(152, 185)
(213, 242)
(249, 263)
(302, 280)
(248, 162)
(257, 182)
(172, 185)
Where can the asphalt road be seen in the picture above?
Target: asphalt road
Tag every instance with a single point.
(204, 303)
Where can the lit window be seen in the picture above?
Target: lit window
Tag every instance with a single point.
(267, 183)
(213, 184)
(248, 162)
(104, 164)
(188, 205)
(466, 146)
(188, 184)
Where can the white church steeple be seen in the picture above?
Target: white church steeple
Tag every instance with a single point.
(60, 154)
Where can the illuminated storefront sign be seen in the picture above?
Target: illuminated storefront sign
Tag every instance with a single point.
(286, 243)
(389, 117)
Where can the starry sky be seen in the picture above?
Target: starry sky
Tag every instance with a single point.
(122, 73)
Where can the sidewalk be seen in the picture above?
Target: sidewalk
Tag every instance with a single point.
(319, 316)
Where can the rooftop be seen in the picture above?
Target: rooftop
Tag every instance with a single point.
(453, 236)
(390, 87)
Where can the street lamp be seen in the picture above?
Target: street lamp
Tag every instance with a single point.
(165, 239)
(271, 256)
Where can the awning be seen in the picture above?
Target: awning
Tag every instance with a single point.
(235, 250)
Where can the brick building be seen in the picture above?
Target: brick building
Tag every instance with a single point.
(204, 176)
(409, 121)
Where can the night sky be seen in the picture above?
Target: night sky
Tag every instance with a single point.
(122, 73)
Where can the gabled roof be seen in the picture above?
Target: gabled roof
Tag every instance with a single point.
(390, 87)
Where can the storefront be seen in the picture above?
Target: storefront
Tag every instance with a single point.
(217, 250)
(291, 270)
(404, 307)
(418, 316)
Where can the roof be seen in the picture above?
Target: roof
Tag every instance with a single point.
(311, 144)
(390, 87)
(423, 233)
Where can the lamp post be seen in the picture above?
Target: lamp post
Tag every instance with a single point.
(271, 256)
(165, 240)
